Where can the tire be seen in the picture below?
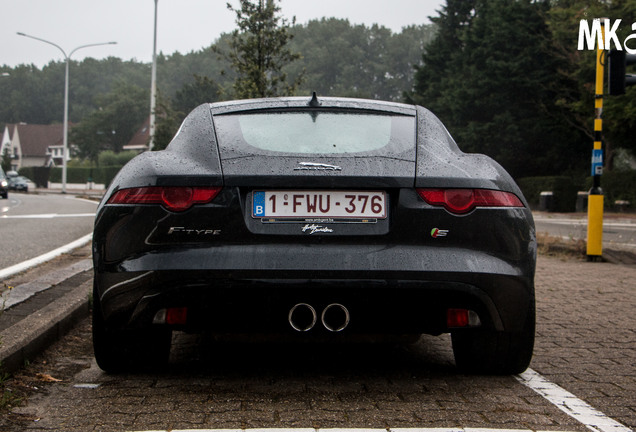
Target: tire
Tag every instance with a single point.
(492, 352)
(118, 351)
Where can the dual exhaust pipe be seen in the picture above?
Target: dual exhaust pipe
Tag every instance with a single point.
(303, 317)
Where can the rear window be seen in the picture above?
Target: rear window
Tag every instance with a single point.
(313, 131)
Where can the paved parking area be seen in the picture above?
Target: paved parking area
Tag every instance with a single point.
(586, 333)
(586, 343)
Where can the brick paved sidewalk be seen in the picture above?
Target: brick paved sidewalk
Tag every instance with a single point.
(586, 333)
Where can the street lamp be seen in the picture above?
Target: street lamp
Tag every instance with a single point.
(65, 126)
(153, 85)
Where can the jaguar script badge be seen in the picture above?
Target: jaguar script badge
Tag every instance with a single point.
(313, 228)
(312, 166)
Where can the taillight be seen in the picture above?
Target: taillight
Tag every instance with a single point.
(460, 201)
(175, 198)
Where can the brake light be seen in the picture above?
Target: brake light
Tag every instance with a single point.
(461, 201)
(175, 198)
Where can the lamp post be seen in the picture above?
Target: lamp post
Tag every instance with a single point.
(153, 85)
(65, 126)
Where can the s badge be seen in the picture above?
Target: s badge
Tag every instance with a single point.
(436, 232)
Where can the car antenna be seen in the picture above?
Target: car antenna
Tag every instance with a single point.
(314, 103)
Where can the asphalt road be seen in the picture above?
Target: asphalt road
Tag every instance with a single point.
(618, 230)
(32, 224)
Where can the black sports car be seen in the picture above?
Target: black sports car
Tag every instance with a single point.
(320, 217)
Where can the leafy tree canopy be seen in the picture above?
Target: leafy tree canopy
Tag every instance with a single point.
(110, 127)
(491, 76)
(259, 51)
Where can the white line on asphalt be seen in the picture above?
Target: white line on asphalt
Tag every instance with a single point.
(84, 199)
(583, 222)
(592, 418)
(24, 265)
(48, 216)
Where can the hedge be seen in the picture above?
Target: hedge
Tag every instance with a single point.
(83, 175)
(616, 185)
(39, 175)
(564, 191)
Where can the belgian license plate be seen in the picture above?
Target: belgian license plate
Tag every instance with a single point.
(319, 204)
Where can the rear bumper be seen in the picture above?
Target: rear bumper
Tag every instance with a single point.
(247, 290)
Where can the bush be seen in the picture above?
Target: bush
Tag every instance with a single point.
(617, 185)
(109, 158)
(39, 175)
(83, 174)
(564, 191)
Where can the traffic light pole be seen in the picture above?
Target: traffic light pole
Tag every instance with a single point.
(595, 196)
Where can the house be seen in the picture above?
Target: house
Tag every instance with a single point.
(139, 141)
(33, 145)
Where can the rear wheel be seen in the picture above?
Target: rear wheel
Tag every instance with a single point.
(128, 350)
(495, 352)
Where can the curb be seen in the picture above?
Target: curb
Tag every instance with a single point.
(30, 336)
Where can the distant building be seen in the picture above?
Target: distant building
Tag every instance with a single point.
(33, 145)
(139, 141)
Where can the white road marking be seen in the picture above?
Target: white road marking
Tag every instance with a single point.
(583, 222)
(574, 407)
(48, 216)
(592, 418)
(24, 265)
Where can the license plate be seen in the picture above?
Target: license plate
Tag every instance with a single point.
(319, 204)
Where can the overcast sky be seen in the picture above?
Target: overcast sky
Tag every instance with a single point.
(182, 25)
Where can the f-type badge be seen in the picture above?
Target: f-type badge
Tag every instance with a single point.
(312, 166)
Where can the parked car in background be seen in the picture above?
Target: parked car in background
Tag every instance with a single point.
(19, 183)
(4, 185)
(322, 218)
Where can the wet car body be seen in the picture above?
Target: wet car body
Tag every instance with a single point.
(388, 230)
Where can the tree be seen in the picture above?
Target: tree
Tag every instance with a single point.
(577, 69)
(172, 112)
(6, 160)
(110, 127)
(191, 95)
(341, 59)
(492, 78)
(259, 51)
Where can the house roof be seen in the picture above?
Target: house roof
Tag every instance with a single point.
(142, 136)
(36, 139)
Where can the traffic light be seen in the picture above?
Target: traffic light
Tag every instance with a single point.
(617, 61)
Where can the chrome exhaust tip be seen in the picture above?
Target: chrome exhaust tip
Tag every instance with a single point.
(302, 317)
(335, 317)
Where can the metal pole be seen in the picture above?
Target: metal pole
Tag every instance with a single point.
(153, 85)
(65, 141)
(595, 196)
(66, 81)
